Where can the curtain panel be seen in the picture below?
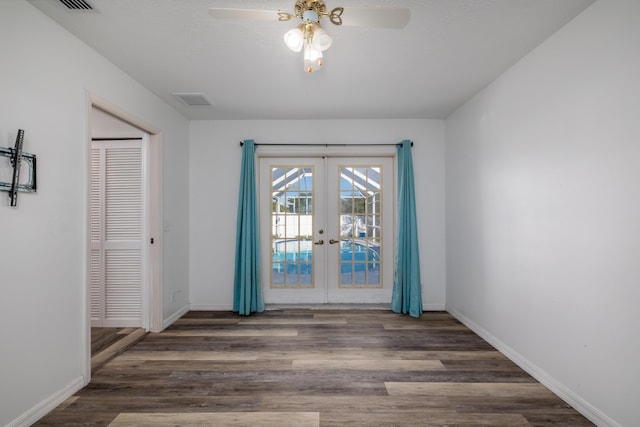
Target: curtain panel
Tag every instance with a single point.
(247, 288)
(407, 288)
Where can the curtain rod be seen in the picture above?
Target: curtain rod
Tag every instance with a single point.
(324, 145)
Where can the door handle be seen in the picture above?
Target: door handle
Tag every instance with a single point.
(333, 241)
(319, 242)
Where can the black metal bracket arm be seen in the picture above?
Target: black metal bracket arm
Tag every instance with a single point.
(17, 157)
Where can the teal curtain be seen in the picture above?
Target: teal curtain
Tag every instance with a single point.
(247, 287)
(407, 289)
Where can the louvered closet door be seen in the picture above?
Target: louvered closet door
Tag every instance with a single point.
(116, 233)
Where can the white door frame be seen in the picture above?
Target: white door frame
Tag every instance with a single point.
(301, 151)
(152, 318)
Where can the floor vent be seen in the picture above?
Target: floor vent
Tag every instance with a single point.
(193, 99)
(76, 4)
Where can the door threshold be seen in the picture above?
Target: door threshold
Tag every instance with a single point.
(346, 306)
(106, 355)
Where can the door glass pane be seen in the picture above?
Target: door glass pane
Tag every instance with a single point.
(291, 227)
(360, 226)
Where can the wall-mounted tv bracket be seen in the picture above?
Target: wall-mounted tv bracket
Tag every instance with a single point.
(17, 157)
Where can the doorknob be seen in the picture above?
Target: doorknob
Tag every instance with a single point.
(319, 242)
(333, 241)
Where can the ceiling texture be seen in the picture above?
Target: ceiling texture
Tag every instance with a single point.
(449, 50)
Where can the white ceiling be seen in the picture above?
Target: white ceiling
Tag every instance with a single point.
(450, 50)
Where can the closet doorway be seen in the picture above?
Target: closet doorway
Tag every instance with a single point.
(124, 217)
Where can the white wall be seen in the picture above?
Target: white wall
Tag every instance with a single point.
(215, 156)
(106, 125)
(543, 211)
(44, 81)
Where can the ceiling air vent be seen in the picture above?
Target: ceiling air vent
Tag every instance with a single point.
(193, 99)
(76, 4)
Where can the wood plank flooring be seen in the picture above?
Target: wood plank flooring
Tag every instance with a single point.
(102, 338)
(301, 367)
(106, 343)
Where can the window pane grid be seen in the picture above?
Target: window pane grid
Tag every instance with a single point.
(360, 226)
(292, 190)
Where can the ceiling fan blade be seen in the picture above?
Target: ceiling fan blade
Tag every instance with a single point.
(379, 17)
(244, 14)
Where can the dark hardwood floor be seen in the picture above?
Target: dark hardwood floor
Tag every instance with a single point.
(102, 338)
(107, 343)
(298, 367)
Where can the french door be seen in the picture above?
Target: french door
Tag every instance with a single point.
(326, 226)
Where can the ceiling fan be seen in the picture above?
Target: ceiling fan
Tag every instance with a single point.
(309, 35)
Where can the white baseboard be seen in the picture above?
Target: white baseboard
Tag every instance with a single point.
(223, 307)
(562, 391)
(48, 404)
(211, 307)
(433, 307)
(175, 316)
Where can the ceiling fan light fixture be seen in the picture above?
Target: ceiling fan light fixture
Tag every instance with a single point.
(321, 39)
(312, 58)
(294, 39)
(308, 35)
